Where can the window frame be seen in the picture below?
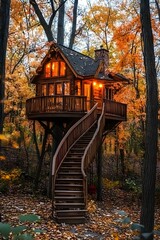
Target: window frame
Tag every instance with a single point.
(60, 69)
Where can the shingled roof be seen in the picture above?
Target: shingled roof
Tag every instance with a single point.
(82, 64)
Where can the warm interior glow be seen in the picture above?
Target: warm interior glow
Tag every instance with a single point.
(100, 85)
(62, 69)
(55, 69)
(48, 70)
(94, 83)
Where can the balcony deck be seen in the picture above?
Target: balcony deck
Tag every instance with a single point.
(57, 106)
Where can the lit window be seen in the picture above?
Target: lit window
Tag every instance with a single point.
(78, 88)
(48, 70)
(59, 88)
(62, 69)
(55, 69)
(66, 88)
(51, 89)
(44, 90)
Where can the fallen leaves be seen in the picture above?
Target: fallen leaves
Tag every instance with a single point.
(101, 221)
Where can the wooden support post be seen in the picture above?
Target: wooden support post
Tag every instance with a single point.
(99, 174)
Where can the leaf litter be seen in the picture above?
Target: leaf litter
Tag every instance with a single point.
(106, 220)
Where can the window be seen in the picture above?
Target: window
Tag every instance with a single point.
(109, 94)
(51, 89)
(48, 70)
(78, 88)
(59, 88)
(55, 69)
(44, 90)
(66, 88)
(62, 69)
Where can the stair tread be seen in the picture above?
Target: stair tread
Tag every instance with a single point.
(74, 191)
(69, 179)
(69, 185)
(67, 197)
(71, 210)
(72, 173)
(69, 204)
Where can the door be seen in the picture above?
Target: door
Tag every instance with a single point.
(87, 93)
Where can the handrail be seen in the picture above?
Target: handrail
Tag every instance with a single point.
(78, 129)
(91, 149)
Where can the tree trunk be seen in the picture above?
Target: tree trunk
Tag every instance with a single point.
(57, 134)
(99, 174)
(46, 27)
(4, 25)
(74, 24)
(60, 32)
(40, 160)
(123, 167)
(149, 171)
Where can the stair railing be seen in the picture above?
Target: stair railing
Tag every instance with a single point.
(73, 134)
(92, 148)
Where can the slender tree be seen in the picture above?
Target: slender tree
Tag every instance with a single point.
(47, 26)
(4, 25)
(60, 32)
(74, 24)
(151, 136)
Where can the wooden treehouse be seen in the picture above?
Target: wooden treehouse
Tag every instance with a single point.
(75, 96)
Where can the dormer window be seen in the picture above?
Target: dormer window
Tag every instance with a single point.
(55, 69)
(62, 69)
(48, 70)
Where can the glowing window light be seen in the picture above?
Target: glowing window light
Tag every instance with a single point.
(48, 70)
(100, 85)
(94, 83)
(62, 69)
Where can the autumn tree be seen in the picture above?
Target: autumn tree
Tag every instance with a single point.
(4, 26)
(149, 172)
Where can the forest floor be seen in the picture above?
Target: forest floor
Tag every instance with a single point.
(102, 219)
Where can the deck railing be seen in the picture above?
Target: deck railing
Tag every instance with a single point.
(61, 103)
(116, 108)
(56, 103)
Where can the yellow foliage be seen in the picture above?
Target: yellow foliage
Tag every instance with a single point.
(3, 137)
(110, 184)
(2, 158)
(15, 145)
(11, 175)
(91, 208)
(115, 235)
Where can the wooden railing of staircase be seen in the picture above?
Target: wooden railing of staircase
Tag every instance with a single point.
(92, 148)
(73, 134)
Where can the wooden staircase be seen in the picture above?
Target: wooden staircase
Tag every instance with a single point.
(69, 197)
(70, 163)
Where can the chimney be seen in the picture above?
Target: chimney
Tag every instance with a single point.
(102, 55)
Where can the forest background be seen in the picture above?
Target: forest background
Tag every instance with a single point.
(113, 24)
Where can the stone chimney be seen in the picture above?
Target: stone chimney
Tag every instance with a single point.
(102, 55)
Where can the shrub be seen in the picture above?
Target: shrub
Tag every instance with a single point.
(20, 232)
